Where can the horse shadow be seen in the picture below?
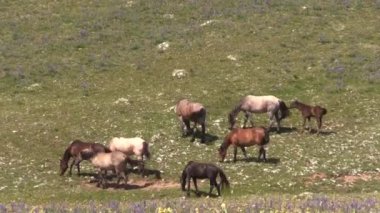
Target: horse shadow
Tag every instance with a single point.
(273, 161)
(283, 130)
(123, 185)
(203, 194)
(209, 138)
(146, 173)
(314, 131)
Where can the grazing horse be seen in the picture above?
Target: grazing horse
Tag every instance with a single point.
(239, 137)
(107, 161)
(131, 146)
(73, 151)
(275, 107)
(194, 170)
(308, 111)
(190, 111)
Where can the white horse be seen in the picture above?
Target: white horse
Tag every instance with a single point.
(275, 107)
(131, 146)
(107, 161)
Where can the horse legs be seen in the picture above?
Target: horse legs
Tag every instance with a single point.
(244, 152)
(75, 161)
(235, 152)
(141, 165)
(262, 152)
(277, 121)
(195, 185)
(303, 125)
(309, 126)
(247, 116)
(188, 130)
(271, 120)
(188, 185)
(319, 121)
(203, 139)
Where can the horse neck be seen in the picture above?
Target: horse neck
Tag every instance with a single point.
(226, 143)
(67, 155)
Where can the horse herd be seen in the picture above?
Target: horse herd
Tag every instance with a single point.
(117, 154)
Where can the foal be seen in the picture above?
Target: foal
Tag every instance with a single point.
(194, 170)
(190, 111)
(245, 137)
(73, 151)
(308, 111)
(116, 161)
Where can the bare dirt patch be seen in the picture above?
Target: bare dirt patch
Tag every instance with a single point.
(134, 184)
(345, 179)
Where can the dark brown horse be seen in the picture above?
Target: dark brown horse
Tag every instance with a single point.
(74, 150)
(187, 112)
(245, 137)
(194, 170)
(308, 111)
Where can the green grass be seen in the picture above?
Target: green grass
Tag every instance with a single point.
(64, 64)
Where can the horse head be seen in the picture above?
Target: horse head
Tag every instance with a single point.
(63, 165)
(293, 104)
(222, 152)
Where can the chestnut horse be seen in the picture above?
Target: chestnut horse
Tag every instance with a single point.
(194, 170)
(73, 151)
(115, 161)
(190, 111)
(244, 137)
(276, 109)
(131, 146)
(308, 111)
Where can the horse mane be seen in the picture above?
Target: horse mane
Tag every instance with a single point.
(66, 154)
(233, 113)
(284, 110)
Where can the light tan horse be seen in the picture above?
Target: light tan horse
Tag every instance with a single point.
(107, 161)
(131, 146)
(275, 107)
(187, 112)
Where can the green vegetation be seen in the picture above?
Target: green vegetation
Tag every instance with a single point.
(65, 64)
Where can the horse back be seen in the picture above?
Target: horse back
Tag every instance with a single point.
(248, 136)
(127, 145)
(259, 104)
(190, 110)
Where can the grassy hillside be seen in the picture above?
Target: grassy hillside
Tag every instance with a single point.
(65, 65)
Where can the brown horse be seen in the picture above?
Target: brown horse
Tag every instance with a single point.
(245, 137)
(273, 106)
(308, 111)
(187, 112)
(73, 151)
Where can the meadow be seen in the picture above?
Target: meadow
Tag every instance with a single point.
(94, 70)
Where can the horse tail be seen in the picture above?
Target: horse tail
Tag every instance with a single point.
(223, 178)
(145, 150)
(324, 111)
(107, 150)
(202, 115)
(283, 111)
